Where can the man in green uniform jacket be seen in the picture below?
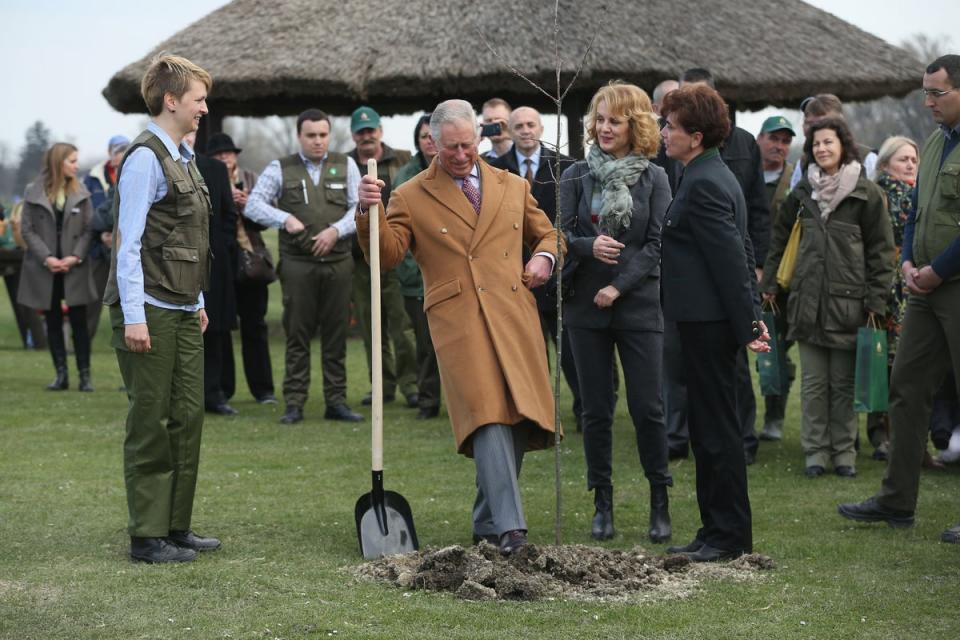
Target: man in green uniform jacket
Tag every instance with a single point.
(930, 337)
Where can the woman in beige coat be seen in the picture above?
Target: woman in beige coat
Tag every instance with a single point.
(56, 228)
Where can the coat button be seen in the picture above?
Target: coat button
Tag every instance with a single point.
(669, 222)
(443, 230)
(471, 258)
(516, 226)
(513, 288)
(505, 254)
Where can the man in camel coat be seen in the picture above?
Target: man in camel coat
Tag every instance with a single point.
(466, 224)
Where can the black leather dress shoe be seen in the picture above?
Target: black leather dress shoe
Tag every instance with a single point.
(706, 553)
(413, 400)
(267, 398)
(814, 471)
(341, 412)
(368, 399)
(492, 538)
(158, 550)
(870, 510)
(511, 541)
(222, 409)
(292, 415)
(951, 535)
(189, 540)
(845, 471)
(692, 546)
(427, 413)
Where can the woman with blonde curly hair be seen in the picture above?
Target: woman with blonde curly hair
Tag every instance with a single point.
(612, 207)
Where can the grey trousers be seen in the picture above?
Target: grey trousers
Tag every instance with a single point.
(498, 453)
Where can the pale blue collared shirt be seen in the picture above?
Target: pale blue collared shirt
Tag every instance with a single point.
(141, 185)
(522, 161)
(270, 185)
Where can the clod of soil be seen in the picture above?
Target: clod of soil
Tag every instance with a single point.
(574, 572)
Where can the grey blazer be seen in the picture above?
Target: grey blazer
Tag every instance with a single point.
(637, 274)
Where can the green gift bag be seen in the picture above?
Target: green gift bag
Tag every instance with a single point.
(772, 365)
(870, 386)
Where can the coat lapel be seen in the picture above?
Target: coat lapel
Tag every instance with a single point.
(441, 186)
(587, 196)
(492, 189)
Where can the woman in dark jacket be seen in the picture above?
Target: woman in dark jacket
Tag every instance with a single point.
(844, 270)
(709, 292)
(57, 213)
(612, 208)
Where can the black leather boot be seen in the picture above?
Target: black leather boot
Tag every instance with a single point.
(660, 527)
(602, 527)
(85, 384)
(61, 382)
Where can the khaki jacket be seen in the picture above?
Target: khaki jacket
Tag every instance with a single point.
(845, 266)
(483, 320)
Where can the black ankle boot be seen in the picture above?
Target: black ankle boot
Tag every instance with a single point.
(660, 527)
(85, 384)
(602, 527)
(60, 383)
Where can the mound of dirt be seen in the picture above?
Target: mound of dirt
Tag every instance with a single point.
(572, 572)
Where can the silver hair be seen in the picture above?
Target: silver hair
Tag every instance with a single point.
(890, 146)
(450, 111)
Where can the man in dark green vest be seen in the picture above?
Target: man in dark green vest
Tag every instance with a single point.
(399, 352)
(930, 336)
(157, 273)
(315, 193)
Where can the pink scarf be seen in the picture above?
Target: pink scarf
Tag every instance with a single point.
(829, 191)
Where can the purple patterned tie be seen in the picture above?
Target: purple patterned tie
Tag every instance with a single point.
(472, 194)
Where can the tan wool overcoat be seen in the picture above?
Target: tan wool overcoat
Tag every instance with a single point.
(483, 320)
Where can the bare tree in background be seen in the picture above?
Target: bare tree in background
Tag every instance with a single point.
(877, 120)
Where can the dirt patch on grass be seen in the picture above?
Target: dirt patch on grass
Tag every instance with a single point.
(41, 594)
(572, 572)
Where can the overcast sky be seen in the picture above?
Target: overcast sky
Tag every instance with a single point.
(56, 56)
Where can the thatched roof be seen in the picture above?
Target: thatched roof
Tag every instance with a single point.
(404, 55)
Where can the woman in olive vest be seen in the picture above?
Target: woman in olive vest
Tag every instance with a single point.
(57, 213)
(843, 273)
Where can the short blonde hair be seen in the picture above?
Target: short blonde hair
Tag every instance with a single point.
(633, 103)
(169, 74)
(890, 147)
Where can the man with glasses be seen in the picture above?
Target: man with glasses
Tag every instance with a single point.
(930, 338)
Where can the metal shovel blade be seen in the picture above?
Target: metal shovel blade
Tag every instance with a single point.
(384, 522)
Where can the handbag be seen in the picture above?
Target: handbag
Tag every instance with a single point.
(772, 365)
(788, 261)
(256, 263)
(870, 391)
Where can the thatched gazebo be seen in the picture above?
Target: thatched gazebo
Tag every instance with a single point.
(403, 56)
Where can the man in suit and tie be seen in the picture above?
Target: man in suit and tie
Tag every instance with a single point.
(466, 224)
(530, 160)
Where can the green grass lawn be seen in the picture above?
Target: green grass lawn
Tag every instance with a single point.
(282, 499)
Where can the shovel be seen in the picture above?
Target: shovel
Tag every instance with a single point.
(384, 521)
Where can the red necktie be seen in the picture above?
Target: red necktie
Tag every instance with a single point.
(472, 194)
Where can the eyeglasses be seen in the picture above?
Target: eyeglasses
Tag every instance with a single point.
(936, 94)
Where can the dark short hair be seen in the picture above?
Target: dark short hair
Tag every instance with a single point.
(698, 74)
(699, 108)
(842, 129)
(312, 115)
(949, 63)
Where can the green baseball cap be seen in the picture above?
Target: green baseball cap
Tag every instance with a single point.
(364, 118)
(777, 123)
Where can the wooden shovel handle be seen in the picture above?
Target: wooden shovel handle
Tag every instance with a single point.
(375, 325)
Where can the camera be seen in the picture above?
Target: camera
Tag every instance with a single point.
(491, 129)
